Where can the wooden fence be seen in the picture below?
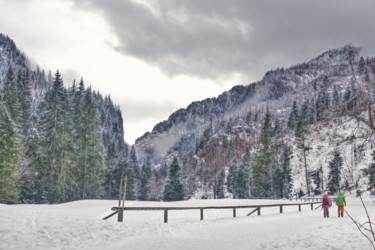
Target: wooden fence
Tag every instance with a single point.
(256, 208)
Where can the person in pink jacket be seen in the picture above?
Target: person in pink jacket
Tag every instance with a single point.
(326, 203)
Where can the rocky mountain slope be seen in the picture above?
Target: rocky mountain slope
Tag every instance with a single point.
(211, 135)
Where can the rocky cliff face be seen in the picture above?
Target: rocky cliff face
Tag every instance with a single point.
(212, 134)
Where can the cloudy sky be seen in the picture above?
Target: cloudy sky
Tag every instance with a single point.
(156, 56)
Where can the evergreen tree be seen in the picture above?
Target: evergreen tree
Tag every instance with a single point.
(371, 175)
(300, 134)
(29, 191)
(10, 98)
(91, 160)
(232, 179)
(282, 175)
(322, 104)
(130, 185)
(8, 158)
(220, 192)
(242, 191)
(334, 174)
(263, 161)
(312, 112)
(144, 182)
(293, 116)
(174, 190)
(56, 179)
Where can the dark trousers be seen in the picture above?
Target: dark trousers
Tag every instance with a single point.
(326, 211)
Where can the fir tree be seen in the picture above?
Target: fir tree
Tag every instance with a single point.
(10, 98)
(242, 191)
(282, 175)
(91, 162)
(56, 179)
(370, 172)
(174, 190)
(144, 182)
(293, 116)
(220, 192)
(232, 179)
(334, 174)
(263, 162)
(8, 158)
(300, 134)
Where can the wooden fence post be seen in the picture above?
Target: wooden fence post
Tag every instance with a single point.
(281, 209)
(165, 215)
(259, 211)
(120, 216)
(299, 207)
(234, 212)
(201, 213)
(120, 212)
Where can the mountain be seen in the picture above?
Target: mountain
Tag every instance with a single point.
(82, 155)
(334, 93)
(298, 130)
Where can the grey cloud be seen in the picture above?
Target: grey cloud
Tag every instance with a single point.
(218, 38)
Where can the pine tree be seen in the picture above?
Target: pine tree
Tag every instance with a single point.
(56, 179)
(220, 191)
(293, 116)
(174, 190)
(282, 175)
(10, 98)
(300, 134)
(371, 175)
(232, 179)
(91, 167)
(242, 191)
(334, 174)
(8, 158)
(263, 161)
(144, 182)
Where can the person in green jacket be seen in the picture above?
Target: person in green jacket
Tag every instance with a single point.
(340, 202)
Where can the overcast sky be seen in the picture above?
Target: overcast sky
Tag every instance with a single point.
(156, 56)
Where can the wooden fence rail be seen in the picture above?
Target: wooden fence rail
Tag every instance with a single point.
(256, 208)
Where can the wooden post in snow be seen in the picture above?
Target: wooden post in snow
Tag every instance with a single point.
(123, 193)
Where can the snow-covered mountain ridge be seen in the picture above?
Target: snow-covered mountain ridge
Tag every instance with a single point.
(215, 133)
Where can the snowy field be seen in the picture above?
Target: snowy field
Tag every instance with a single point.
(79, 225)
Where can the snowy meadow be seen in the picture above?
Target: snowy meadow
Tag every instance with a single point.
(80, 225)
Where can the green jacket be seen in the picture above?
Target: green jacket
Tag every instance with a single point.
(340, 200)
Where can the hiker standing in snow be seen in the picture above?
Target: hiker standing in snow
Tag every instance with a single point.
(326, 203)
(340, 202)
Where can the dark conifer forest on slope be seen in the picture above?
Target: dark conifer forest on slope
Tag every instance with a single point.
(58, 143)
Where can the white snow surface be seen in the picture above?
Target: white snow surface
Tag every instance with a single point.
(79, 225)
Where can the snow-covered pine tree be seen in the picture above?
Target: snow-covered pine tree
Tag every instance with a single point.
(263, 160)
(144, 182)
(220, 191)
(8, 158)
(242, 191)
(334, 174)
(293, 116)
(232, 179)
(370, 172)
(91, 150)
(173, 189)
(57, 179)
(300, 135)
(282, 174)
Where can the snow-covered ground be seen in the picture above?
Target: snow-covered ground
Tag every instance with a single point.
(79, 225)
